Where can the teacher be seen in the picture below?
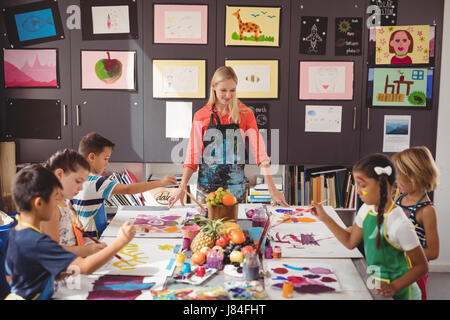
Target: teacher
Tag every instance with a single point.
(217, 146)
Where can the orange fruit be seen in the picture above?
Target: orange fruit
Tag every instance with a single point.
(237, 236)
(198, 257)
(228, 200)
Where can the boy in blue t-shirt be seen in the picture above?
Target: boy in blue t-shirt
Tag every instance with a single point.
(33, 259)
(88, 203)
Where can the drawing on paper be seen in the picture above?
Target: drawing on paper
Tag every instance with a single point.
(118, 287)
(132, 256)
(30, 68)
(206, 293)
(313, 279)
(323, 118)
(296, 240)
(287, 216)
(35, 24)
(313, 35)
(159, 223)
(110, 19)
(180, 79)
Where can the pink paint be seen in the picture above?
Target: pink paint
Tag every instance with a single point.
(320, 271)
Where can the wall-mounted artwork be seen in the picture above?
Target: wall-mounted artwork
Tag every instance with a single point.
(256, 78)
(388, 11)
(33, 23)
(405, 87)
(109, 19)
(31, 68)
(111, 70)
(323, 118)
(402, 45)
(179, 78)
(326, 80)
(252, 26)
(313, 35)
(180, 24)
(348, 36)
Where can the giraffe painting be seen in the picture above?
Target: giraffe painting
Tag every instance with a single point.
(247, 26)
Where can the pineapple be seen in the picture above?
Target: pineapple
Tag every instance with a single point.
(210, 231)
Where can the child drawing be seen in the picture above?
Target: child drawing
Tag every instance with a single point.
(400, 44)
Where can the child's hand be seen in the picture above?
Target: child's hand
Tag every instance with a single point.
(386, 290)
(318, 211)
(127, 232)
(95, 247)
(168, 179)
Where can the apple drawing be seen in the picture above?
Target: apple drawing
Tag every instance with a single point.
(108, 70)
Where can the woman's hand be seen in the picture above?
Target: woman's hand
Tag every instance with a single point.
(278, 198)
(178, 195)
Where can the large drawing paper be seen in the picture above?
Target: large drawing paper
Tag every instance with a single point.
(110, 19)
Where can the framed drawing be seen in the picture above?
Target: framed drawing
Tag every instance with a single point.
(313, 35)
(31, 68)
(33, 23)
(400, 87)
(326, 80)
(180, 24)
(110, 70)
(348, 36)
(252, 26)
(179, 78)
(109, 19)
(257, 78)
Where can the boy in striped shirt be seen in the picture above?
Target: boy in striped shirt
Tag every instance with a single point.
(89, 202)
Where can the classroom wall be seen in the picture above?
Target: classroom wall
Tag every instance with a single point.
(442, 199)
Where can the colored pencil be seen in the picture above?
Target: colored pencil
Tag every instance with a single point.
(96, 241)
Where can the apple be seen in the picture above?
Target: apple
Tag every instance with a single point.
(222, 241)
(236, 256)
(108, 70)
(246, 250)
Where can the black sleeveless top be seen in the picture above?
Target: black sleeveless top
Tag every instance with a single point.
(411, 213)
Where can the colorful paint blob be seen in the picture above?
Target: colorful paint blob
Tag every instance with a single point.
(280, 270)
(327, 279)
(313, 288)
(321, 271)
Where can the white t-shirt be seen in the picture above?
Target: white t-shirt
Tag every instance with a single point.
(399, 230)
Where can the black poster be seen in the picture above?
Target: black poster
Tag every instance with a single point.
(348, 37)
(313, 35)
(388, 11)
(261, 111)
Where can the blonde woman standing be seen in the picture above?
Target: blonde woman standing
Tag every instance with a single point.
(216, 145)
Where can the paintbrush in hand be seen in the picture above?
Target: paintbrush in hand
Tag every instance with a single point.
(299, 212)
(192, 197)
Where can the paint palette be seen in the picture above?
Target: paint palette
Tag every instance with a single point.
(191, 278)
(314, 279)
(245, 290)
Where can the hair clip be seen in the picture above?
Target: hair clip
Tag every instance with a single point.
(386, 170)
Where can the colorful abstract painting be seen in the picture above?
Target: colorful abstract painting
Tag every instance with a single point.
(30, 68)
(245, 290)
(117, 287)
(314, 279)
(181, 24)
(292, 216)
(203, 293)
(326, 80)
(406, 87)
(108, 70)
(402, 44)
(313, 35)
(142, 257)
(252, 26)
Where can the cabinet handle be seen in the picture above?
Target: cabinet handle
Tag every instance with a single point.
(77, 109)
(65, 115)
(368, 118)
(354, 118)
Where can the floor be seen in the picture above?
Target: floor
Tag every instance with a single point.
(438, 287)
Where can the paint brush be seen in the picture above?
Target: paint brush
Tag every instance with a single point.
(263, 233)
(96, 241)
(192, 197)
(296, 214)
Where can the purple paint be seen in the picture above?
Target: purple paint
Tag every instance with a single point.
(313, 288)
(320, 270)
(327, 279)
(312, 276)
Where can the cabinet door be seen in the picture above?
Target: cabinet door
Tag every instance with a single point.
(323, 147)
(39, 150)
(115, 114)
(423, 125)
(157, 147)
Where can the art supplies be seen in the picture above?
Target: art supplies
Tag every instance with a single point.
(245, 290)
(288, 289)
(206, 293)
(196, 276)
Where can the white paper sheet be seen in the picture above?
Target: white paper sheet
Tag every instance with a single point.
(178, 119)
(396, 133)
(323, 118)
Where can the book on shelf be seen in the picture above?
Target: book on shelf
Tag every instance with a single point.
(260, 192)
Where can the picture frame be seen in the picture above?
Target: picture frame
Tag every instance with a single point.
(313, 35)
(400, 87)
(326, 80)
(252, 26)
(33, 23)
(257, 78)
(30, 68)
(109, 19)
(180, 24)
(108, 70)
(179, 79)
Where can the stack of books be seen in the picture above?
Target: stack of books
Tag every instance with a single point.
(260, 192)
(117, 200)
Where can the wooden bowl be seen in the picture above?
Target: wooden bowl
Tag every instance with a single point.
(216, 213)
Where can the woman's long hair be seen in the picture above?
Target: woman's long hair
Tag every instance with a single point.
(225, 73)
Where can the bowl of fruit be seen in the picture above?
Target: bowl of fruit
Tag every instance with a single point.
(222, 204)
